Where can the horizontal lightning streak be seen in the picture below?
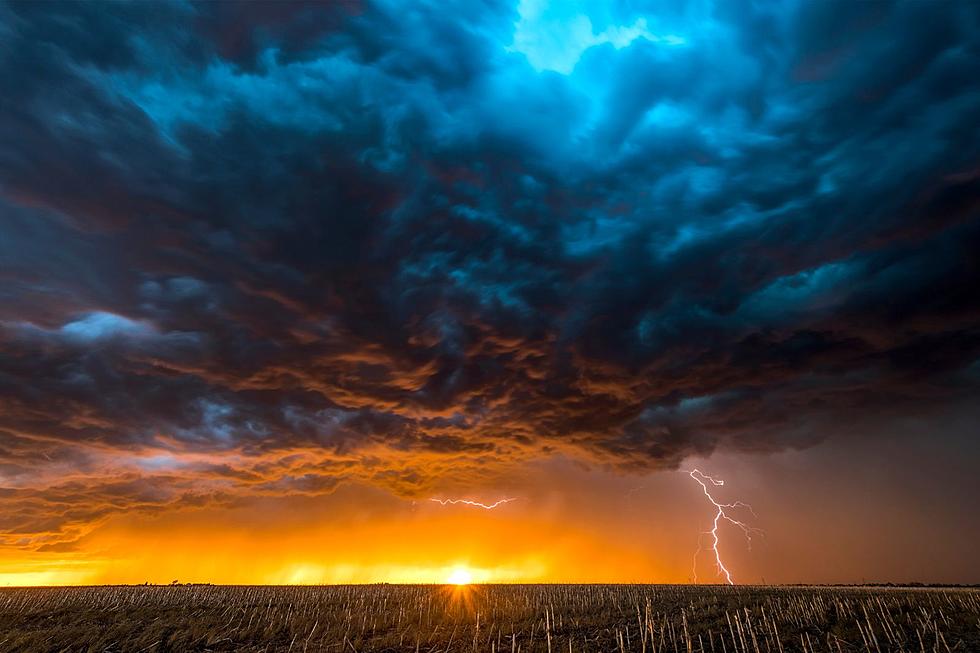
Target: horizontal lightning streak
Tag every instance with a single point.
(477, 504)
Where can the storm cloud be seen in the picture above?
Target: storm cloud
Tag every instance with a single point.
(269, 247)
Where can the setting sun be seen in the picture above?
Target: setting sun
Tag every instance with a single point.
(460, 576)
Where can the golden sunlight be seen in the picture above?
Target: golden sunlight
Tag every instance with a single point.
(460, 576)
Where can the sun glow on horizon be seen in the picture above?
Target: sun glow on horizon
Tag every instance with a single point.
(460, 576)
(346, 538)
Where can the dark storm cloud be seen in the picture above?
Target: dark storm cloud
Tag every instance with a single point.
(472, 230)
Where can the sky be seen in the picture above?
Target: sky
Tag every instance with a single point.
(273, 276)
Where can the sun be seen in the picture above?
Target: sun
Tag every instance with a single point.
(460, 576)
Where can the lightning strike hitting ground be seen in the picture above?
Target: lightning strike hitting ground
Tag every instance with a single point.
(477, 504)
(704, 480)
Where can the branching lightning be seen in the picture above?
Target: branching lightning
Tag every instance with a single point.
(477, 504)
(721, 514)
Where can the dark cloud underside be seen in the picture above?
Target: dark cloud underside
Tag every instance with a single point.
(279, 240)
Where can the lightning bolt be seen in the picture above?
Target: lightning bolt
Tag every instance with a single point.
(467, 502)
(704, 481)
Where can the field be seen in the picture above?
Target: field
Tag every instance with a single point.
(655, 618)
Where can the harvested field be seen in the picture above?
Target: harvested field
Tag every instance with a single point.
(655, 618)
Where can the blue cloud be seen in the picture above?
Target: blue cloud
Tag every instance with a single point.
(98, 325)
(556, 221)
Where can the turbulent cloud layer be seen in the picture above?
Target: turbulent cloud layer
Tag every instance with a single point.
(263, 248)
